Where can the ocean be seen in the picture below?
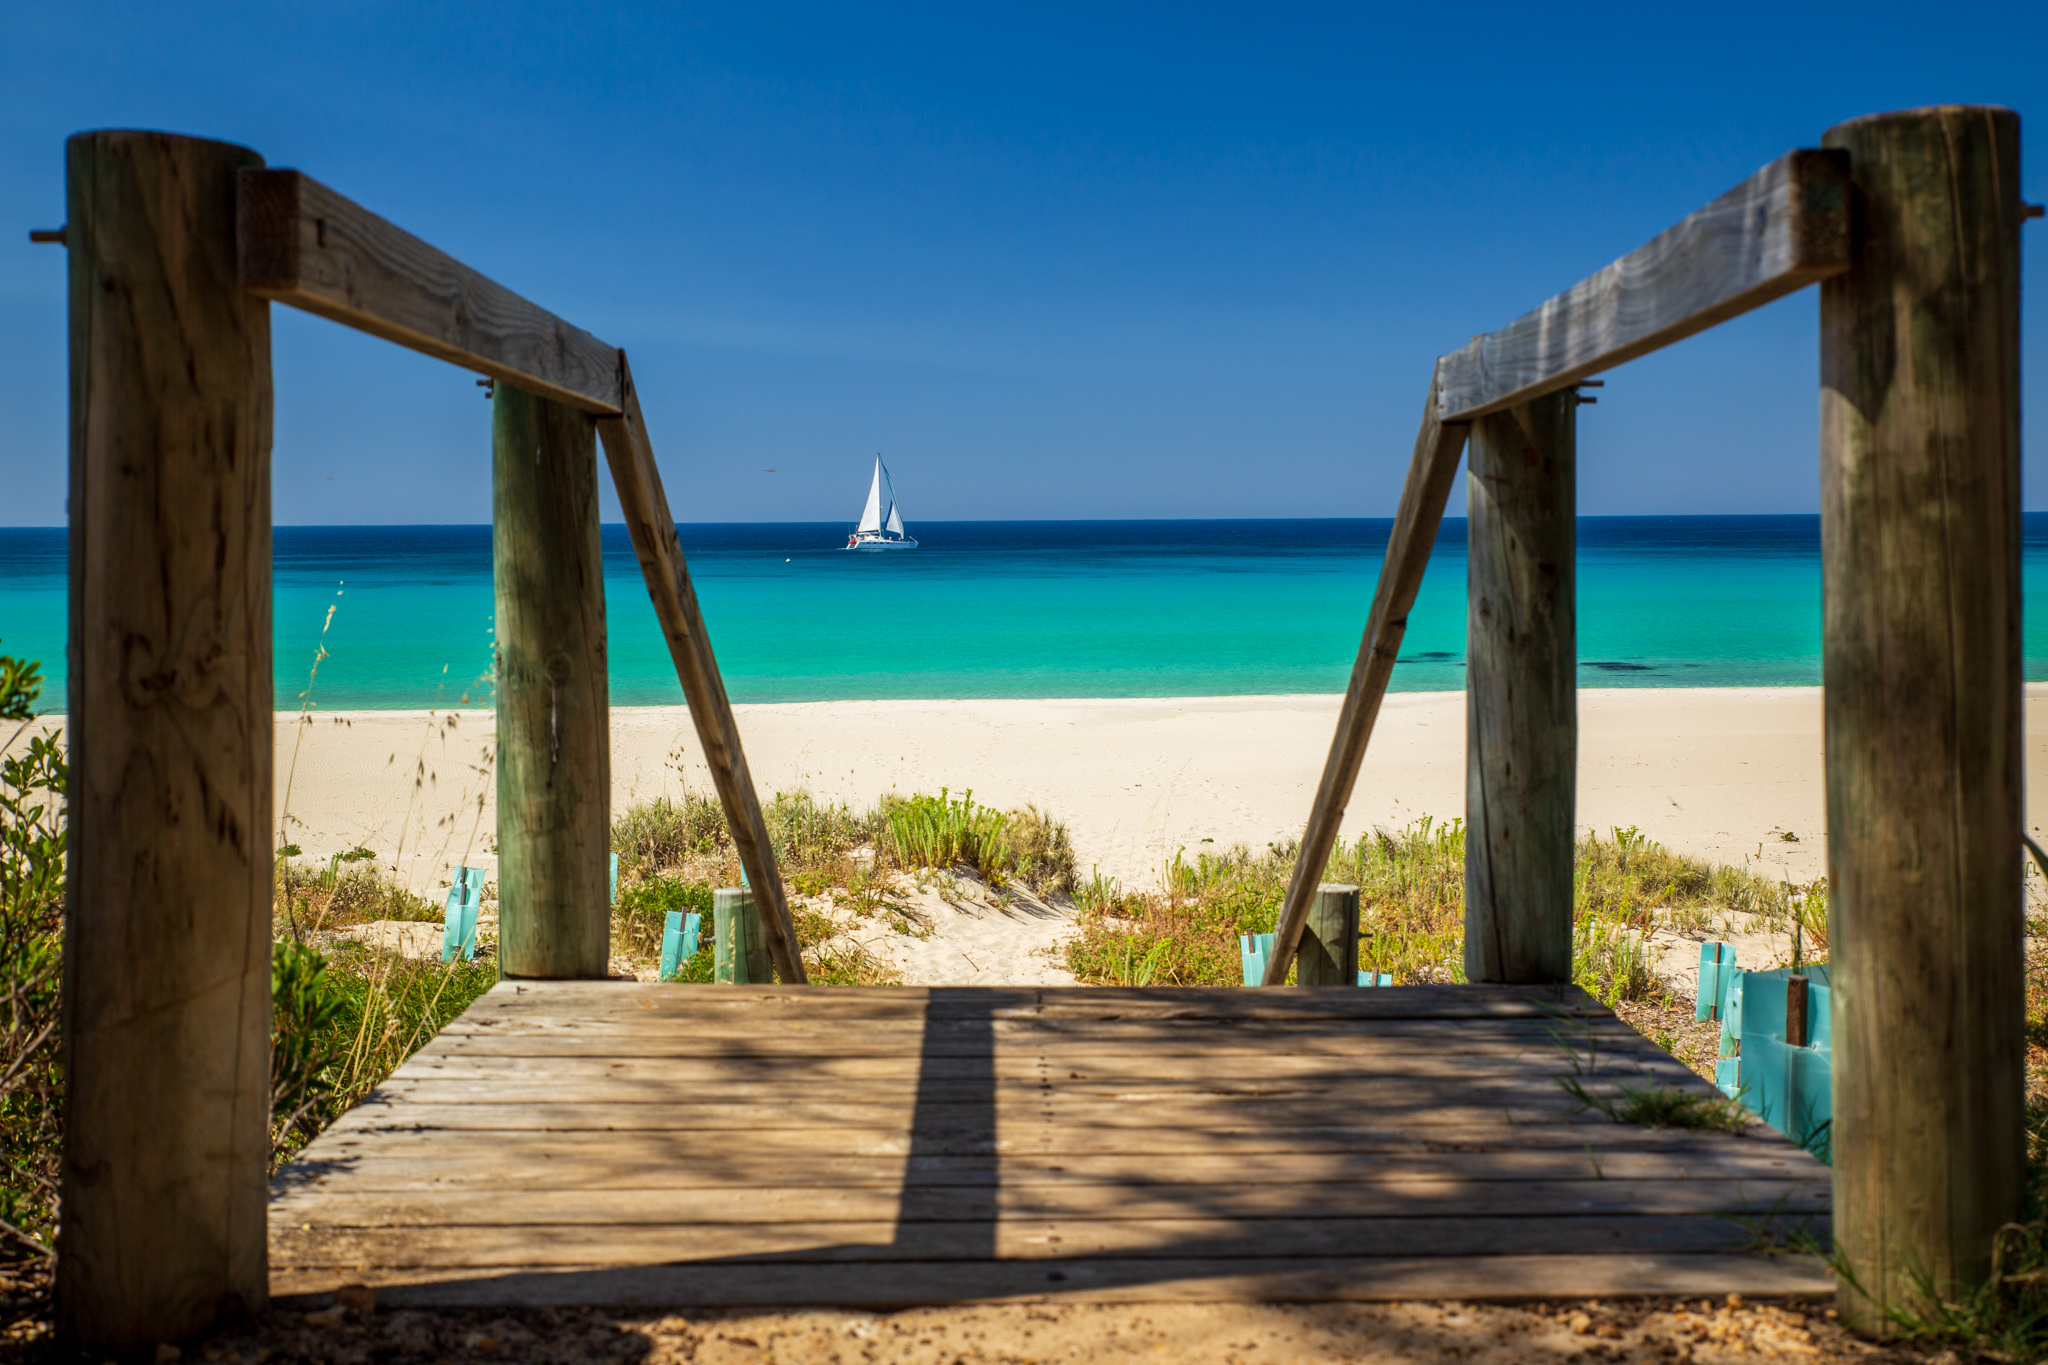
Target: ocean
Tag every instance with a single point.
(1019, 609)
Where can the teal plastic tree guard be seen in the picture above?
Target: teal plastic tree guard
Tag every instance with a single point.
(679, 936)
(458, 924)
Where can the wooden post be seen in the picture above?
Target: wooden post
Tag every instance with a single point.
(1521, 700)
(740, 952)
(167, 934)
(554, 741)
(1920, 550)
(1329, 945)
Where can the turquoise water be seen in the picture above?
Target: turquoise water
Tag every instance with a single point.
(1023, 609)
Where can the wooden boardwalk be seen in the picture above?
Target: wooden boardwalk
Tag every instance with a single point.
(642, 1145)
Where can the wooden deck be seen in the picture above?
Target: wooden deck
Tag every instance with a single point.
(642, 1145)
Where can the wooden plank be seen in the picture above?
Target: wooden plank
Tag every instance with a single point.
(1112, 1280)
(366, 1133)
(1077, 1201)
(1437, 447)
(713, 1078)
(485, 1247)
(703, 1004)
(167, 925)
(1391, 1096)
(300, 243)
(553, 701)
(1920, 537)
(588, 1160)
(1178, 1037)
(1782, 229)
(1445, 1117)
(637, 479)
(365, 1127)
(1521, 693)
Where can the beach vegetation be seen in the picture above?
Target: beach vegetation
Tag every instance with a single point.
(640, 915)
(945, 831)
(1411, 908)
(33, 778)
(343, 1020)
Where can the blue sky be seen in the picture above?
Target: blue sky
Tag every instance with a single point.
(1053, 261)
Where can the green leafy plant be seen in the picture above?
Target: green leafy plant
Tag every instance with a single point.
(33, 842)
(942, 831)
(304, 1045)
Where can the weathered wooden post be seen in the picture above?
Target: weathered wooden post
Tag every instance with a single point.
(554, 740)
(1521, 700)
(740, 943)
(1329, 944)
(1920, 537)
(167, 936)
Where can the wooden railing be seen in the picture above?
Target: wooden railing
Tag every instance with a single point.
(299, 242)
(1784, 228)
(176, 247)
(1910, 222)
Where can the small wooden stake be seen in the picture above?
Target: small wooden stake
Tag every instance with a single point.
(167, 929)
(1795, 1011)
(554, 740)
(1521, 702)
(1329, 946)
(1920, 555)
(739, 954)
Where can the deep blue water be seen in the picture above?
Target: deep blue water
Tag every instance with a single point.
(1022, 609)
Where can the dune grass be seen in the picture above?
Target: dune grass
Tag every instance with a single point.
(1411, 909)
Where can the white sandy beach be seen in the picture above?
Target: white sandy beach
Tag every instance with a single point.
(1721, 773)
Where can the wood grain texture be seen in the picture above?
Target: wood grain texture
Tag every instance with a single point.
(637, 479)
(554, 714)
(509, 1179)
(1329, 947)
(1780, 230)
(167, 935)
(1521, 694)
(740, 955)
(1920, 546)
(301, 243)
(1428, 486)
(1248, 1279)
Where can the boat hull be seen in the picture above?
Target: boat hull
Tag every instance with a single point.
(880, 543)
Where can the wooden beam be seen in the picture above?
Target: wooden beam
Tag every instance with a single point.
(1780, 230)
(1521, 694)
(554, 714)
(1920, 559)
(300, 243)
(167, 922)
(1437, 448)
(645, 505)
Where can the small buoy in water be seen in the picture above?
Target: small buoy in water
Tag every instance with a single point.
(785, 561)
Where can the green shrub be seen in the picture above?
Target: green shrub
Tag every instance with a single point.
(33, 843)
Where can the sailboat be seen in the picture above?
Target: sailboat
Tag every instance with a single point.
(881, 521)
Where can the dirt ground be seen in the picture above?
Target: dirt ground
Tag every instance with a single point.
(1043, 1334)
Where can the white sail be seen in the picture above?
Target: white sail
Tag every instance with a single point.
(871, 515)
(896, 520)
